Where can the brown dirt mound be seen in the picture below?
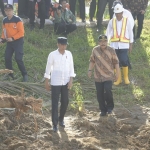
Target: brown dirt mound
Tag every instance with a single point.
(123, 129)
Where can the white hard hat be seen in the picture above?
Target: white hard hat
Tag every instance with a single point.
(118, 8)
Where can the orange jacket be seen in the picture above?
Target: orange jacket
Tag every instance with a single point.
(14, 28)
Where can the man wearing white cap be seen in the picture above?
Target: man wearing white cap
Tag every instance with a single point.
(126, 13)
(138, 9)
(120, 34)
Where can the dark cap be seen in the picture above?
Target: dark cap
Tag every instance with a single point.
(62, 40)
(8, 6)
(102, 37)
(115, 3)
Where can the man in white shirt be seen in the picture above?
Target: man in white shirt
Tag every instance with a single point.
(120, 34)
(60, 71)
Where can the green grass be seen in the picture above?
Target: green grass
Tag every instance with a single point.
(38, 44)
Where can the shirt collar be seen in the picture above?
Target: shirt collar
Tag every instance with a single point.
(60, 53)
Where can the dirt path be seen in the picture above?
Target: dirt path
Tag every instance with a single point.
(125, 129)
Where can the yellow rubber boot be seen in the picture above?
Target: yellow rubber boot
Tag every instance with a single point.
(119, 78)
(125, 73)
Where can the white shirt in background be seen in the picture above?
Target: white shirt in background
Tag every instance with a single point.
(11, 2)
(59, 68)
(128, 34)
(127, 14)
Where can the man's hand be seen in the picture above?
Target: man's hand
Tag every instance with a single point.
(47, 85)
(130, 48)
(9, 39)
(89, 73)
(116, 77)
(70, 84)
(142, 11)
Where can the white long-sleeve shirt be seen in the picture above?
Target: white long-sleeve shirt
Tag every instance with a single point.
(127, 14)
(59, 68)
(10, 2)
(128, 34)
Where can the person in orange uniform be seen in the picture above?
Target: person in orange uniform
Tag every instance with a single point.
(13, 33)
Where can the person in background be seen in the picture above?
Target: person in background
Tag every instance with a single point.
(92, 9)
(120, 34)
(23, 9)
(60, 71)
(138, 9)
(104, 59)
(64, 20)
(47, 9)
(81, 8)
(41, 14)
(101, 8)
(13, 33)
(2, 7)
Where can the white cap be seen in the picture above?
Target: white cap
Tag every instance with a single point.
(118, 8)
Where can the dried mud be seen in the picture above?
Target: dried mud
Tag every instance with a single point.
(125, 129)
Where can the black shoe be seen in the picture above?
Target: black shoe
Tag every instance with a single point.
(109, 112)
(61, 123)
(91, 20)
(55, 128)
(102, 114)
(25, 78)
(83, 20)
(6, 77)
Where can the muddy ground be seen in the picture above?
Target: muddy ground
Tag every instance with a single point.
(125, 129)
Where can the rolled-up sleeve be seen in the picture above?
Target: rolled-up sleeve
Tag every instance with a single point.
(49, 66)
(72, 73)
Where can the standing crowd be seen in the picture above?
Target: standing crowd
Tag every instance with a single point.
(108, 62)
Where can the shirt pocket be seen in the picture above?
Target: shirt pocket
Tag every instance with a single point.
(57, 63)
(68, 62)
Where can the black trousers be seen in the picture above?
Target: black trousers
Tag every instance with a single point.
(47, 7)
(104, 95)
(64, 100)
(122, 55)
(92, 9)
(41, 11)
(140, 19)
(72, 4)
(17, 48)
(2, 7)
(101, 8)
(22, 7)
(60, 28)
